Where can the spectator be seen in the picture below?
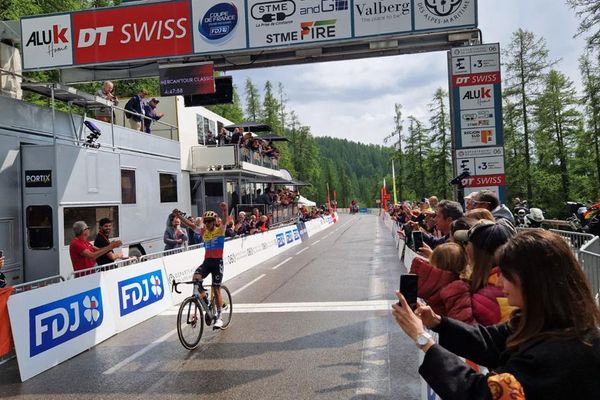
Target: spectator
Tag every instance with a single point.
(433, 202)
(104, 231)
(174, 236)
(480, 213)
(210, 139)
(479, 299)
(151, 114)
(470, 201)
(446, 212)
(106, 114)
(236, 137)
(446, 264)
(262, 225)
(136, 105)
(550, 348)
(83, 253)
(223, 137)
(488, 199)
(242, 226)
(2, 277)
(229, 230)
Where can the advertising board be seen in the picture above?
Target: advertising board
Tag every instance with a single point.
(218, 25)
(56, 322)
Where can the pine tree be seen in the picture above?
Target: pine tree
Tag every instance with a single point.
(527, 61)
(591, 99)
(253, 110)
(441, 144)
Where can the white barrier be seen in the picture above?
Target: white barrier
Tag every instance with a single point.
(57, 322)
(316, 225)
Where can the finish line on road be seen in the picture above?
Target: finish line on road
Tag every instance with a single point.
(250, 308)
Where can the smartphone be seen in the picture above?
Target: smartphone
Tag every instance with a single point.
(409, 284)
(1, 253)
(417, 237)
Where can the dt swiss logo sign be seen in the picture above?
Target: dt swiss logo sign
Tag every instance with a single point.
(129, 33)
(47, 41)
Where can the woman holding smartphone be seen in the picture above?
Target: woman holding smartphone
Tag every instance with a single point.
(550, 347)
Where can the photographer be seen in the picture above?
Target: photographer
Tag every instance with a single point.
(550, 347)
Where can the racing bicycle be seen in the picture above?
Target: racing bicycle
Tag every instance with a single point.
(199, 309)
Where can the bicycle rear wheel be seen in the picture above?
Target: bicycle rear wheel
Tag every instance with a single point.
(190, 323)
(226, 307)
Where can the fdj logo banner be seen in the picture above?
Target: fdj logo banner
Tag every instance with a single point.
(60, 321)
(140, 291)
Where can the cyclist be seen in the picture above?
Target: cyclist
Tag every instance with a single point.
(214, 242)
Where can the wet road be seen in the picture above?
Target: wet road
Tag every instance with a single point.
(311, 323)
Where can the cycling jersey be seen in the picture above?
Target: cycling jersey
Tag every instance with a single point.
(214, 242)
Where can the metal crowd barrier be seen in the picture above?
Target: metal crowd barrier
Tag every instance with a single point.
(24, 287)
(105, 267)
(575, 240)
(589, 256)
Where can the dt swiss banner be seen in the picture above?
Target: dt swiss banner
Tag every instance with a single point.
(136, 32)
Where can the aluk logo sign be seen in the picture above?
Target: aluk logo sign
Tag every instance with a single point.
(136, 32)
(60, 321)
(47, 41)
(476, 97)
(140, 291)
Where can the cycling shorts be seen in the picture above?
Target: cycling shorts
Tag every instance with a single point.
(212, 266)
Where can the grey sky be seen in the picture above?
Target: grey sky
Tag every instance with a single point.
(355, 99)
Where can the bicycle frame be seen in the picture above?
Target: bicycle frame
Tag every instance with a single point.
(208, 308)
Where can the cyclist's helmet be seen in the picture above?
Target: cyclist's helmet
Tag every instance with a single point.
(209, 215)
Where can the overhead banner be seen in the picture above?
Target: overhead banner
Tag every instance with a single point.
(164, 30)
(476, 102)
(187, 79)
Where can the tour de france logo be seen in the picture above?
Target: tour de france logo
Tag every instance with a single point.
(442, 8)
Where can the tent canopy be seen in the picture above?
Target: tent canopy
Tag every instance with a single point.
(303, 201)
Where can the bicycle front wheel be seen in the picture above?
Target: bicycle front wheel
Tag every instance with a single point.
(226, 307)
(190, 323)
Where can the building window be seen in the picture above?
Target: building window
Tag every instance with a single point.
(200, 128)
(128, 186)
(91, 216)
(39, 227)
(168, 188)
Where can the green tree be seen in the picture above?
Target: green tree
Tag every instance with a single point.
(397, 139)
(591, 136)
(588, 11)
(441, 155)
(514, 150)
(527, 61)
(557, 122)
(253, 110)
(416, 154)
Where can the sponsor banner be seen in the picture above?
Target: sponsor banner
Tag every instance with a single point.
(476, 79)
(476, 97)
(219, 25)
(478, 137)
(180, 267)
(381, 17)
(481, 165)
(484, 152)
(473, 119)
(188, 79)
(484, 180)
(47, 41)
(444, 14)
(140, 291)
(316, 225)
(54, 323)
(38, 178)
(135, 32)
(298, 22)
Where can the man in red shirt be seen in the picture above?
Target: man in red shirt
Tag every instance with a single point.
(83, 253)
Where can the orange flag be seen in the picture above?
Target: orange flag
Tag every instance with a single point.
(6, 343)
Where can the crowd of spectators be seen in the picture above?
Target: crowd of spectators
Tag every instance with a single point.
(245, 140)
(492, 295)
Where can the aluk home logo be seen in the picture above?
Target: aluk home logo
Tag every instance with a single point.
(47, 41)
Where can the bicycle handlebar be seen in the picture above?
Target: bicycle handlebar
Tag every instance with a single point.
(174, 284)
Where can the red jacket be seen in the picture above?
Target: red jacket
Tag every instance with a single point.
(431, 281)
(488, 306)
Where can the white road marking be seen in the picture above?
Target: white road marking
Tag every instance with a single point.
(143, 351)
(316, 241)
(281, 263)
(332, 306)
(248, 284)
(304, 249)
